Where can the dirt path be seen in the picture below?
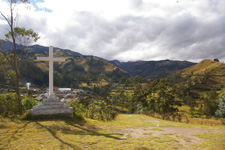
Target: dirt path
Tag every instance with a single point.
(182, 135)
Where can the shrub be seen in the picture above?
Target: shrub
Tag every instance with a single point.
(98, 110)
(78, 109)
(8, 104)
(101, 111)
(28, 102)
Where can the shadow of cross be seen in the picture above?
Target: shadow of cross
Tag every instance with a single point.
(95, 133)
(50, 59)
(53, 133)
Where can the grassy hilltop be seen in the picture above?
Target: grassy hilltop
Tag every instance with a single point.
(207, 73)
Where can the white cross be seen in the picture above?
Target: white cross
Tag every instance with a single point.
(51, 59)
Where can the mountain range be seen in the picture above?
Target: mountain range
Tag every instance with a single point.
(153, 69)
(82, 69)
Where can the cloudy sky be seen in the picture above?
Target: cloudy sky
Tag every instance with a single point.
(128, 30)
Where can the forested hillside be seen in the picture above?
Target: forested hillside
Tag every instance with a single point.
(76, 71)
(200, 86)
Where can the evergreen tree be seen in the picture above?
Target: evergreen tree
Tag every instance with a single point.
(210, 103)
(221, 108)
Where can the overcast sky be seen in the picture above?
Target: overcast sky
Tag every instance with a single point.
(128, 30)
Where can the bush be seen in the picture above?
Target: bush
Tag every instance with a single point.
(78, 109)
(101, 111)
(98, 110)
(28, 102)
(8, 104)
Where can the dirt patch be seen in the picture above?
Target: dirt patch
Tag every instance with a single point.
(183, 135)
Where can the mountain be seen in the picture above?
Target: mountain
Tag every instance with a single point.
(153, 69)
(77, 70)
(5, 45)
(206, 74)
(200, 87)
(81, 69)
(116, 62)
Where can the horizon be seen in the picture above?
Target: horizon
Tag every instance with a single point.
(121, 61)
(127, 30)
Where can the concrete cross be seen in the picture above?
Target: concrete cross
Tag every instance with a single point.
(51, 59)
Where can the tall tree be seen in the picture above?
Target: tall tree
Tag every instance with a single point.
(122, 99)
(210, 103)
(221, 108)
(16, 34)
(162, 98)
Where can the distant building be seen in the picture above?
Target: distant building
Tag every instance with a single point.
(64, 90)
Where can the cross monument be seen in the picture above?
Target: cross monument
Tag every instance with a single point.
(52, 106)
(51, 59)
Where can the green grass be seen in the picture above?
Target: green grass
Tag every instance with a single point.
(156, 129)
(204, 136)
(213, 141)
(92, 134)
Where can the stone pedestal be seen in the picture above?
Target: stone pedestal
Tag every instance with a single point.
(51, 107)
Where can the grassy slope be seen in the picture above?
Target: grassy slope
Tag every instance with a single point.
(126, 132)
(216, 80)
(216, 71)
(202, 66)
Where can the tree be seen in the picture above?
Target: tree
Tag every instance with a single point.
(122, 99)
(138, 98)
(191, 102)
(134, 80)
(221, 108)
(216, 60)
(122, 80)
(210, 103)
(16, 35)
(162, 98)
(205, 76)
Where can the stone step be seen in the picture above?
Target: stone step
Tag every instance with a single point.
(50, 106)
(52, 100)
(51, 111)
(52, 103)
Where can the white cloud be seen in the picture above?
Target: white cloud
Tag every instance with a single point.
(129, 29)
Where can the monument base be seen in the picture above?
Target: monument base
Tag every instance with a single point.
(51, 107)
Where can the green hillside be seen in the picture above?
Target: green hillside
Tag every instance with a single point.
(206, 74)
(76, 71)
(200, 87)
